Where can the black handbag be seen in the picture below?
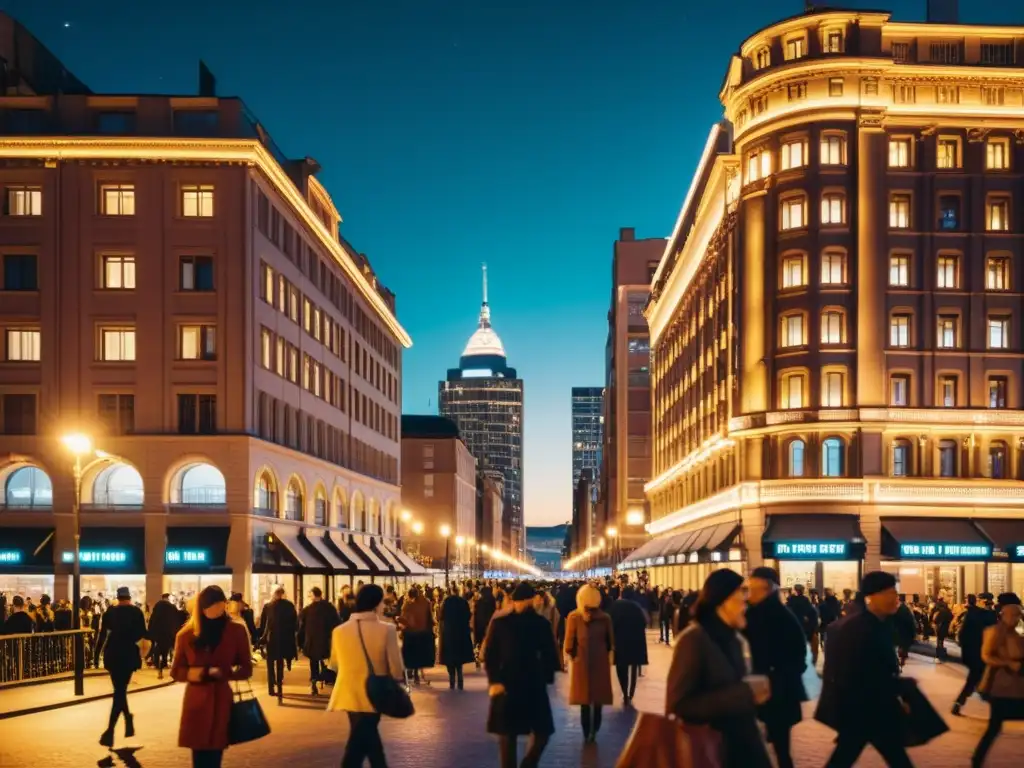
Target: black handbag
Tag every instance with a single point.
(386, 694)
(247, 721)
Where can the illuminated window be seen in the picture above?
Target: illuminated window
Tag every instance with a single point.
(759, 105)
(117, 344)
(946, 337)
(307, 314)
(948, 458)
(833, 268)
(293, 303)
(835, 86)
(293, 364)
(24, 201)
(899, 331)
(997, 273)
(197, 200)
(794, 213)
(797, 91)
(899, 389)
(947, 153)
(997, 154)
(794, 154)
(23, 345)
(899, 212)
(833, 149)
(833, 208)
(901, 52)
(947, 391)
(993, 95)
(947, 272)
(904, 94)
(795, 49)
(197, 342)
(997, 387)
(793, 331)
(899, 270)
(832, 390)
(947, 94)
(998, 53)
(997, 460)
(279, 367)
(117, 273)
(759, 165)
(266, 348)
(196, 274)
(763, 58)
(793, 388)
(997, 215)
(833, 41)
(795, 463)
(945, 52)
(901, 458)
(949, 212)
(832, 457)
(282, 294)
(117, 199)
(793, 271)
(832, 327)
(998, 333)
(899, 153)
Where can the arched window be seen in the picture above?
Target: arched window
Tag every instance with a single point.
(832, 457)
(795, 458)
(320, 508)
(340, 509)
(28, 488)
(199, 485)
(265, 498)
(763, 58)
(358, 513)
(293, 501)
(997, 453)
(119, 485)
(901, 458)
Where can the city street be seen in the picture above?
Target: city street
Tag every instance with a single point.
(448, 729)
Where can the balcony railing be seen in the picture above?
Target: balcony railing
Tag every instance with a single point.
(40, 655)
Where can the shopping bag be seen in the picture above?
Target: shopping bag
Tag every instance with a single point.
(247, 721)
(658, 741)
(922, 723)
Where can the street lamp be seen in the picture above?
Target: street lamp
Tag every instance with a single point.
(446, 532)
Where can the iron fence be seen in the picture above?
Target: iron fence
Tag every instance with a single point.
(39, 655)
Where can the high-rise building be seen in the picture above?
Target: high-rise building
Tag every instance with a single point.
(176, 289)
(837, 357)
(626, 453)
(587, 430)
(484, 397)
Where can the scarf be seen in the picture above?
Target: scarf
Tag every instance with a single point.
(725, 637)
(210, 632)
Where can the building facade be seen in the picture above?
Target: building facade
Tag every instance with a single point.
(177, 290)
(837, 327)
(626, 450)
(484, 397)
(491, 498)
(587, 432)
(583, 533)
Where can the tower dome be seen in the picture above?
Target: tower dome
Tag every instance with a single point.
(484, 342)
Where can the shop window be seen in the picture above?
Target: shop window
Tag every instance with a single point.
(997, 273)
(794, 154)
(900, 148)
(794, 385)
(999, 333)
(794, 213)
(997, 154)
(997, 388)
(948, 458)
(795, 458)
(833, 149)
(832, 457)
(947, 272)
(833, 208)
(793, 270)
(833, 268)
(832, 327)
(899, 270)
(901, 458)
(997, 460)
(832, 389)
(899, 389)
(949, 213)
(899, 330)
(997, 214)
(947, 391)
(899, 211)
(947, 332)
(793, 330)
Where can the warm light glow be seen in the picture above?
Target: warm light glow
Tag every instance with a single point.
(484, 548)
(601, 542)
(471, 541)
(709, 448)
(406, 515)
(417, 527)
(446, 531)
(612, 531)
(460, 540)
(78, 444)
(635, 517)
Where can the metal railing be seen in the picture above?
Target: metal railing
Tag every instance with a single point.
(39, 655)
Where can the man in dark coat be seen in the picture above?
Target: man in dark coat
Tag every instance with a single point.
(860, 696)
(905, 630)
(122, 627)
(804, 611)
(975, 622)
(164, 623)
(456, 640)
(520, 658)
(941, 617)
(278, 625)
(829, 612)
(316, 624)
(483, 610)
(629, 628)
(778, 650)
(19, 622)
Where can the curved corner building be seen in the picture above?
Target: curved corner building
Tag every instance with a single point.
(836, 323)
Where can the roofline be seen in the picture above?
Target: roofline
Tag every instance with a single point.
(814, 12)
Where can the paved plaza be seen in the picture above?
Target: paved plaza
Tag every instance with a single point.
(448, 729)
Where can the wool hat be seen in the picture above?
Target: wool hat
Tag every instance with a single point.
(766, 573)
(875, 582)
(123, 593)
(1008, 598)
(523, 592)
(719, 586)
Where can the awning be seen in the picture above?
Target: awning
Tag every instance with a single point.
(339, 543)
(933, 538)
(196, 550)
(646, 550)
(414, 568)
(387, 552)
(317, 542)
(1007, 535)
(813, 537)
(26, 550)
(361, 548)
(289, 539)
(389, 560)
(110, 550)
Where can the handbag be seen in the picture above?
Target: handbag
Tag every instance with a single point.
(660, 741)
(386, 694)
(247, 721)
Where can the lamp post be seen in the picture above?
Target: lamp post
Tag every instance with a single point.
(613, 533)
(79, 445)
(446, 532)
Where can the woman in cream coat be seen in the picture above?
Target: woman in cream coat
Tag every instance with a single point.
(364, 627)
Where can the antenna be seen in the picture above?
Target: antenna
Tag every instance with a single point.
(484, 267)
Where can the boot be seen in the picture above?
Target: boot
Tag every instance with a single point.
(129, 726)
(956, 709)
(107, 739)
(314, 690)
(451, 681)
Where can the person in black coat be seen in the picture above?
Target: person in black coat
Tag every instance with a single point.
(629, 628)
(976, 621)
(456, 640)
(279, 626)
(829, 612)
(804, 611)
(164, 623)
(316, 624)
(905, 630)
(483, 610)
(860, 696)
(777, 650)
(122, 627)
(19, 622)
(941, 617)
(521, 660)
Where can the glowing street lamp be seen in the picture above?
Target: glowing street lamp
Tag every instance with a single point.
(635, 517)
(417, 527)
(406, 516)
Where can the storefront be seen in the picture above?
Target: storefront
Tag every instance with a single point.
(819, 551)
(196, 558)
(1006, 571)
(397, 572)
(110, 558)
(684, 560)
(414, 571)
(26, 563)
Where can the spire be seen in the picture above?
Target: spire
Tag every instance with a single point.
(485, 311)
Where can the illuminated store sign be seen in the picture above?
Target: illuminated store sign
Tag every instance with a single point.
(187, 557)
(797, 550)
(934, 551)
(1019, 551)
(98, 557)
(10, 556)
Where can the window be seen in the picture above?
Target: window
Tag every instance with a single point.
(196, 122)
(904, 94)
(763, 58)
(946, 52)
(947, 272)
(267, 288)
(899, 153)
(899, 331)
(794, 154)
(947, 94)
(946, 338)
(832, 390)
(23, 345)
(947, 153)
(117, 344)
(279, 368)
(293, 303)
(795, 49)
(899, 270)
(797, 91)
(792, 271)
(832, 457)
(759, 165)
(833, 208)
(833, 41)
(20, 272)
(870, 86)
(266, 348)
(833, 149)
(117, 413)
(997, 273)
(833, 268)
(997, 388)
(1000, 54)
(792, 395)
(428, 486)
(115, 123)
(24, 201)
(999, 333)
(117, 199)
(899, 389)
(117, 272)
(948, 458)
(796, 458)
(949, 212)
(793, 330)
(899, 212)
(197, 342)
(197, 414)
(196, 274)
(947, 391)
(835, 86)
(901, 53)
(197, 200)
(832, 327)
(997, 215)
(19, 414)
(997, 460)
(901, 458)
(759, 105)
(794, 214)
(997, 154)
(993, 96)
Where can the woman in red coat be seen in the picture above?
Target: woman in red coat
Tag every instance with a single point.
(209, 652)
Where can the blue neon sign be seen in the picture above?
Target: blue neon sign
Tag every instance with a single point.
(187, 557)
(797, 550)
(1020, 550)
(10, 556)
(98, 557)
(940, 551)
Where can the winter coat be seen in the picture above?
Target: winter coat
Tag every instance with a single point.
(589, 641)
(206, 706)
(778, 649)
(19, 623)
(121, 628)
(279, 625)
(349, 661)
(705, 687)
(829, 611)
(972, 631)
(456, 641)
(417, 615)
(316, 624)
(1004, 686)
(805, 613)
(62, 619)
(905, 627)
(483, 611)
(520, 654)
(164, 623)
(629, 626)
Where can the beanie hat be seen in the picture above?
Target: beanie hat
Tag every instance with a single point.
(875, 582)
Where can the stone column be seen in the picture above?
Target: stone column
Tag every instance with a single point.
(156, 547)
(239, 556)
(872, 260)
(755, 309)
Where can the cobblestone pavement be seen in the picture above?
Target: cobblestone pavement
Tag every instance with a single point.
(448, 729)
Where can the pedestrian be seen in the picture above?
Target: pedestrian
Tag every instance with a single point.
(829, 612)
(121, 629)
(417, 624)
(316, 624)
(164, 623)
(346, 604)
(589, 643)
(209, 652)
(44, 617)
(520, 659)
(777, 650)
(456, 640)
(905, 631)
(629, 628)
(666, 613)
(19, 622)
(1003, 652)
(279, 626)
(706, 680)
(860, 697)
(363, 635)
(941, 617)
(972, 631)
(807, 615)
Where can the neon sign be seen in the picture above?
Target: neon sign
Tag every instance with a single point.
(98, 557)
(1020, 550)
(809, 549)
(187, 557)
(10, 556)
(945, 550)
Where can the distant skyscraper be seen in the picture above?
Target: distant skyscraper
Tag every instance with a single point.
(587, 429)
(484, 397)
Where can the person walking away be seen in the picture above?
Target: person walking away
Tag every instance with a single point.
(941, 617)
(778, 651)
(121, 629)
(904, 630)
(19, 622)
(706, 682)
(807, 615)
(629, 628)
(164, 623)
(520, 660)
(316, 624)
(666, 612)
(346, 604)
(417, 624)
(829, 612)
(545, 606)
(860, 693)
(972, 630)
(210, 651)
(1003, 651)
(279, 625)
(62, 616)
(363, 635)
(44, 615)
(456, 640)
(589, 643)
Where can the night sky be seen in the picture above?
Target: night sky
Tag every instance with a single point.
(523, 133)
